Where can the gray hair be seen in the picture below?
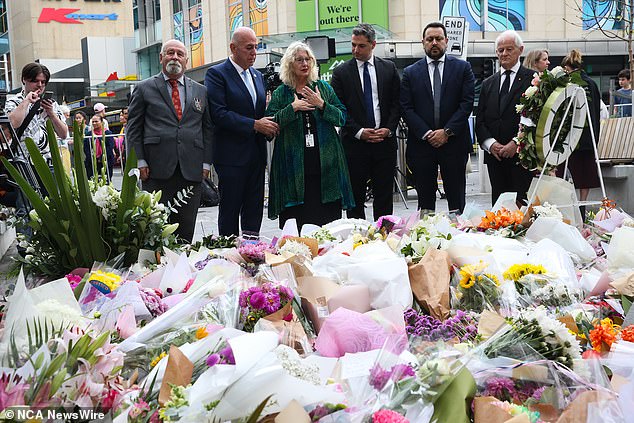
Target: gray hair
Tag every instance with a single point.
(173, 41)
(365, 30)
(509, 33)
(286, 64)
(240, 33)
(64, 109)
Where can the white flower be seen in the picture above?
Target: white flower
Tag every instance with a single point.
(296, 248)
(548, 210)
(295, 366)
(526, 121)
(107, 199)
(558, 71)
(519, 108)
(530, 91)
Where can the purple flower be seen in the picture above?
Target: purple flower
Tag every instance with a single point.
(227, 355)
(379, 377)
(258, 300)
(501, 388)
(212, 360)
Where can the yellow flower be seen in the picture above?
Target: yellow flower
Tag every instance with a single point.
(468, 274)
(201, 332)
(156, 360)
(494, 278)
(518, 271)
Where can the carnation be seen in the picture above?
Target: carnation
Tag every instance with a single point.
(388, 416)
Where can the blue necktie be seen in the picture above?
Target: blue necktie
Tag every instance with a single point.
(250, 87)
(367, 95)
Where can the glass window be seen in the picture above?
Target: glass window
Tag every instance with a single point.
(157, 10)
(135, 14)
(501, 14)
(177, 6)
(258, 16)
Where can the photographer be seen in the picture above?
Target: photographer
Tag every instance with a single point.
(33, 122)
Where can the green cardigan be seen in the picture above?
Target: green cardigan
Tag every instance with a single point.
(286, 183)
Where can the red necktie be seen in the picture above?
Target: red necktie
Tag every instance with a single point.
(176, 98)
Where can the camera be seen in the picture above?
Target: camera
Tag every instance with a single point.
(271, 76)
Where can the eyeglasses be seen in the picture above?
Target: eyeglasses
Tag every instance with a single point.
(303, 60)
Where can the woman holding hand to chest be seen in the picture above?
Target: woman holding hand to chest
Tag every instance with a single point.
(309, 178)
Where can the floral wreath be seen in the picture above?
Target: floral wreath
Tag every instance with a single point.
(533, 106)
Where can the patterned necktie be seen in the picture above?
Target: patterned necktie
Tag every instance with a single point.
(437, 84)
(367, 95)
(506, 85)
(176, 98)
(246, 77)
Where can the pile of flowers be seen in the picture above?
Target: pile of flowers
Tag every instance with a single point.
(260, 301)
(253, 251)
(432, 231)
(531, 107)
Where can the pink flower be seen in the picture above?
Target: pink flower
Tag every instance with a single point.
(388, 416)
(212, 360)
(138, 408)
(258, 300)
(11, 391)
(535, 81)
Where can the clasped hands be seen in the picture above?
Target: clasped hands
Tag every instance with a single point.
(374, 135)
(503, 151)
(437, 138)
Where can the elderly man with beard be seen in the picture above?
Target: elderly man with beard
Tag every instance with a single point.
(169, 128)
(436, 99)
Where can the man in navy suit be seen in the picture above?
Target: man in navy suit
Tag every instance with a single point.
(368, 86)
(237, 100)
(436, 100)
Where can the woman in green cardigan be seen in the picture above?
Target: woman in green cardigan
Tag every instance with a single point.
(309, 178)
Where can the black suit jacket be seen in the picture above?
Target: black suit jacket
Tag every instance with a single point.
(500, 121)
(347, 85)
(456, 104)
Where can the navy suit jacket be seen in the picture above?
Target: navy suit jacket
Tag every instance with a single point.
(235, 142)
(417, 104)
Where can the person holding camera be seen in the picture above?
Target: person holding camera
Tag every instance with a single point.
(29, 110)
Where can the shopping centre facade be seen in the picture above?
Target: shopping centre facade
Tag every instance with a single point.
(85, 41)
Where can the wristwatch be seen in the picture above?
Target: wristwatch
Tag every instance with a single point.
(449, 132)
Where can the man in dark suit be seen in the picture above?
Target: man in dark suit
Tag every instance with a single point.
(497, 121)
(437, 99)
(237, 100)
(369, 88)
(169, 128)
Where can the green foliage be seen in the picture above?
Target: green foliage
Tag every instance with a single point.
(82, 221)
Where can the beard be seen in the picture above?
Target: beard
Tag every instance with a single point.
(173, 67)
(435, 53)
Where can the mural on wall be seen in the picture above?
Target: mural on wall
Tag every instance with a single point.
(235, 16)
(259, 16)
(179, 33)
(501, 14)
(197, 50)
(604, 14)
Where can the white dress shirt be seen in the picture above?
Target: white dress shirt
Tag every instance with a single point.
(248, 81)
(375, 92)
(430, 68)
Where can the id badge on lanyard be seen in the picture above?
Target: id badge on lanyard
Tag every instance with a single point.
(310, 140)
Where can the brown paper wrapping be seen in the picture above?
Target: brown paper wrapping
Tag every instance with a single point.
(429, 280)
(293, 413)
(315, 291)
(485, 412)
(526, 220)
(178, 372)
(569, 322)
(296, 262)
(293, 333)
(547, 412)
(577, 411)
(624, 285)
(489, 323)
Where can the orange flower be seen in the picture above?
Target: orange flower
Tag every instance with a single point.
(627, 334)
(201, 332)
(603, 335)
(501, 219)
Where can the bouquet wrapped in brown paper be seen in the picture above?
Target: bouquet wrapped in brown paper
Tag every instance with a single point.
(429, 279)
(290, 330)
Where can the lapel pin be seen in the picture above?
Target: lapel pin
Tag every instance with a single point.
(198, 105)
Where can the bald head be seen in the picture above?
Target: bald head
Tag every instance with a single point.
(173, 57)
(244, 46)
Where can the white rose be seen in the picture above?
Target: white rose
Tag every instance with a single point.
(530, 91)
(519, 108)
(558, 71)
